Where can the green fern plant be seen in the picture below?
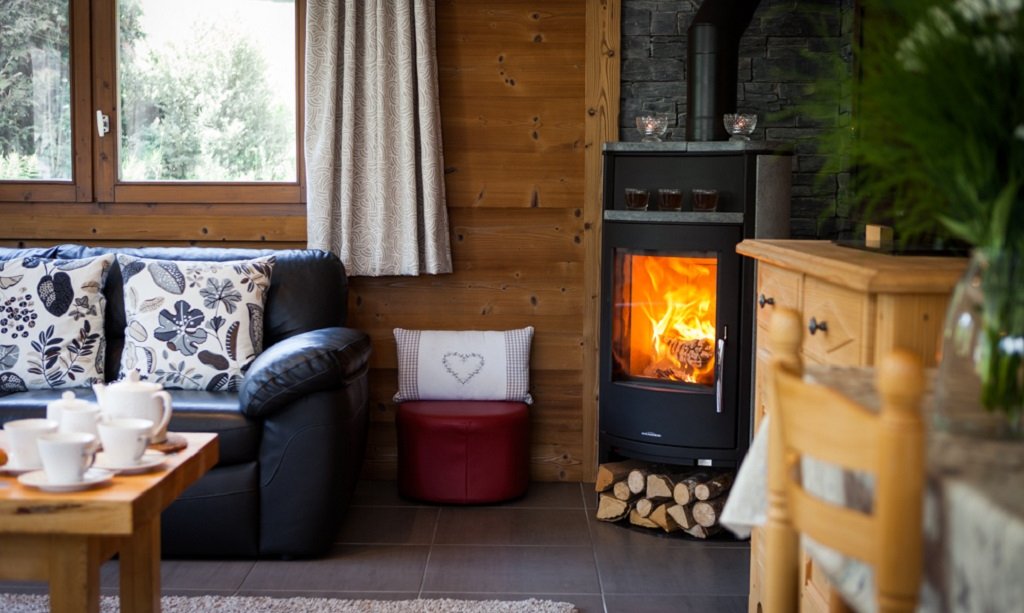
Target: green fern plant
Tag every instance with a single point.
(937, 138)
(936, 146)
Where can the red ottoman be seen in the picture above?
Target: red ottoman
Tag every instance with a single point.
(463, 451)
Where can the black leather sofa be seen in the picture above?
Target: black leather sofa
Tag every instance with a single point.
(291, 439)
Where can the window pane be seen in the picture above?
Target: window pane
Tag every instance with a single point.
(35, 90)
(207, 90)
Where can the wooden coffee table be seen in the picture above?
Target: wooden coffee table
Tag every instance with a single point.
(63, 538)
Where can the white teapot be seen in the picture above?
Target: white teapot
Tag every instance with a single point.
(132, 397)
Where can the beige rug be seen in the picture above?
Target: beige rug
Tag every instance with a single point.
(32, 603)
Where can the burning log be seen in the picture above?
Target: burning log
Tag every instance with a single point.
(696, 353)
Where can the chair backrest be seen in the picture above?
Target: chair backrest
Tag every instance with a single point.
(819, 422)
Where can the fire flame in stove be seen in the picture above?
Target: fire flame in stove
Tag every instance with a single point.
(672, 326)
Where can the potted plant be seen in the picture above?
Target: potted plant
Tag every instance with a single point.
(937, 145)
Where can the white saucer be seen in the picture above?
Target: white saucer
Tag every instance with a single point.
(93, 476)
(148, 461)
(11, 469)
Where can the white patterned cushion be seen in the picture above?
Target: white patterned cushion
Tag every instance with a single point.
(193, 325)
(464, 365)
(51, 323)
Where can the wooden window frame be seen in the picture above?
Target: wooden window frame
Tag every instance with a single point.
(79, 188)
(93, 33)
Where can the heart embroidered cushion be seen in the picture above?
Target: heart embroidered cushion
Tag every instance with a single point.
(51, 322)
(464, 365)
(193, 325)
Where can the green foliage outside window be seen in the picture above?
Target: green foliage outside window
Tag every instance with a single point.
(201, 109)
(35, 92)
(198, 109)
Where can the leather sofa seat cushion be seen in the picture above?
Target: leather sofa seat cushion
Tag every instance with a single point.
(33, 402)
(197, 411)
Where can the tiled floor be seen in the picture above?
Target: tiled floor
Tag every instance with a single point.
(546, 545)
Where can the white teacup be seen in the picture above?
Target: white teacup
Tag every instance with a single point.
(66, 456)
(125, 439)
(21, 441)
(81, 418)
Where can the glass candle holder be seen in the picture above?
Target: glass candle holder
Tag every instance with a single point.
(636, 199)
(705, 199)
(670, 199)
(652, 127)
(740, 125)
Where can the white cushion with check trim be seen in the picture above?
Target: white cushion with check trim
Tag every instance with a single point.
(464, 365)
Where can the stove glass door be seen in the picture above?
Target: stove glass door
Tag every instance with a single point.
(664, 316)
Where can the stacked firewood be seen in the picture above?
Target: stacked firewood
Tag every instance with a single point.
(669, 499)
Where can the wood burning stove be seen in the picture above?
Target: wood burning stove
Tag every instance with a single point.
(677, 300)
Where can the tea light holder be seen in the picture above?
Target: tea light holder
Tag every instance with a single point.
(652, 127)
(740, 125)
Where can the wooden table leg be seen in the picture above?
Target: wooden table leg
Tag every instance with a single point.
(140, 568)
(74, 575)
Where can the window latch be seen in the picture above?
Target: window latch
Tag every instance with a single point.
(102, 123)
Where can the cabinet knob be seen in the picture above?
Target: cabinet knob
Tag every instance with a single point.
(816, 325)
(763, 300)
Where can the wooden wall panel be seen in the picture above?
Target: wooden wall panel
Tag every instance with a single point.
(82, 222)
(513, 112)
(511, 77)
(604, 18)
(529, 91)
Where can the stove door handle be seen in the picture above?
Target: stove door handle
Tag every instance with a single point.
(719, 363)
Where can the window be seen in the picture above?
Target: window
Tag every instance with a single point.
(149, 101)
(35, 91)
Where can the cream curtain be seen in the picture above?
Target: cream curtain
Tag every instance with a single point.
(374, 170)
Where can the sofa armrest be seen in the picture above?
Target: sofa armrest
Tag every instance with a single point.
(314, 361)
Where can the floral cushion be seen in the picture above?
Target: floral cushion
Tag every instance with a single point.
(51, 323)
(193, 325)
(464, 365)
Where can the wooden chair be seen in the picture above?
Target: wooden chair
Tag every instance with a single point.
(813, 420)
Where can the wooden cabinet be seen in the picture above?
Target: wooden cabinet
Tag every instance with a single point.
(856, 306)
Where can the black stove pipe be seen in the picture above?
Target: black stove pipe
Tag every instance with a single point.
(713, 50)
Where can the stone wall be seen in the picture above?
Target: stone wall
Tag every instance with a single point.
(789, 46)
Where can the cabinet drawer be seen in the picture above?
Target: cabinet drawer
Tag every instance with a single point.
(844, 314)
(779, 288)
